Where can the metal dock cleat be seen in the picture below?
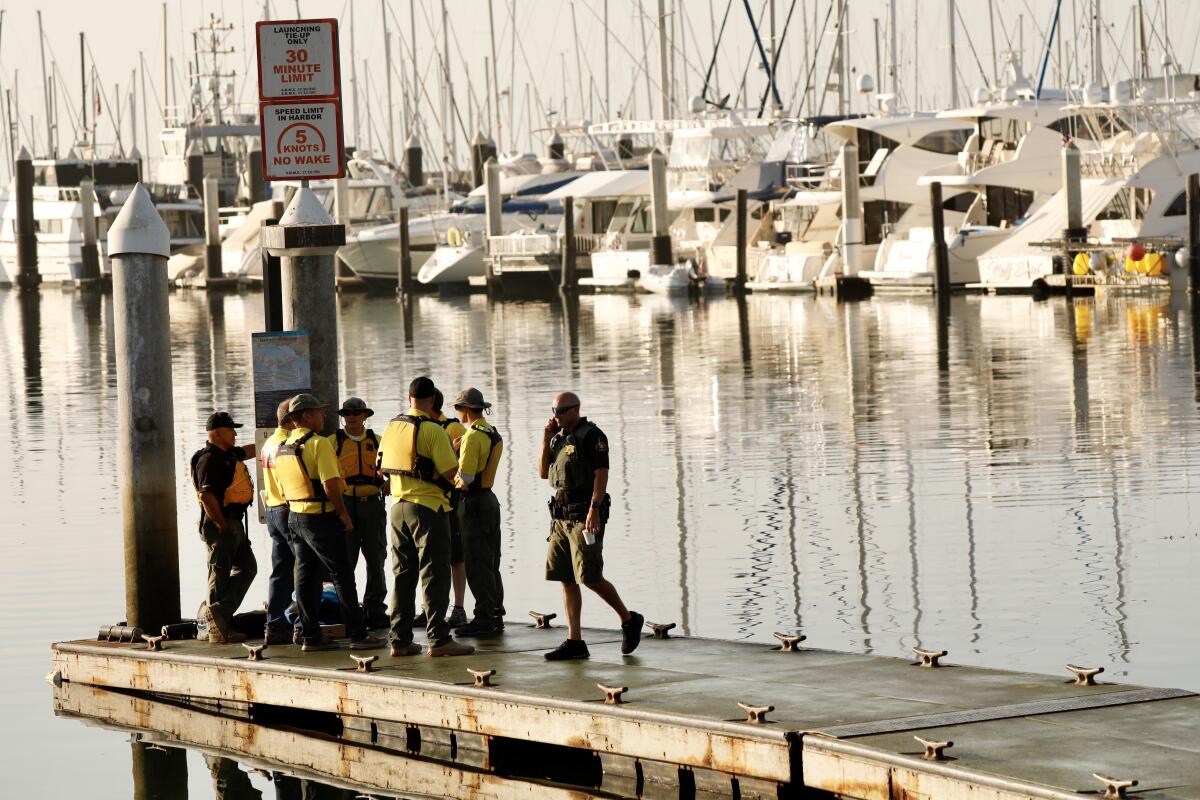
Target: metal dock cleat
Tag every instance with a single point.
(365, 662)
(154, 643)
(254, 652)
(541, 620)
(1085, 676)
(933, 750)
(612, 694)
(662, 630)
(787, 642)
(756, 714)
(483, 677)
(1114, 788)
(929, 658)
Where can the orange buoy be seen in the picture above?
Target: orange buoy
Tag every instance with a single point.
(1136, 252)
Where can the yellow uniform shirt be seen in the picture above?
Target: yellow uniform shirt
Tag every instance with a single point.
(454, 428)
(475, 448)
(433, 443)
(321, 463)
(272, 491)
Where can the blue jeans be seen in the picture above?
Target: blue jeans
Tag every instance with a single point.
(282, 582)
(320, 542)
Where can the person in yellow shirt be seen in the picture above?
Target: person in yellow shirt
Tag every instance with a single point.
(357, 448)
(224, 491)
(281, 583)
(414, 454)
(478, 512)
(458, 568)
(317, 519)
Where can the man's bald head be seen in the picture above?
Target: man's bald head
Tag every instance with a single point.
(566, 410)
(281, 414)
(565, 399)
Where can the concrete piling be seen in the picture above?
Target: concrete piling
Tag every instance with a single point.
(493, 204)
(194, 157)
(341, 201)
(213, 270)
(25, 233)
(568, 282)
(272, 287)
(482, 149)
(306, 240)
(1193, 231)
(941, 256)
(254, 173)
(1075, 233)
(89, 254)
(661, 252)
(139, 244)
(405, 265)
(852, 227)
(742, 233)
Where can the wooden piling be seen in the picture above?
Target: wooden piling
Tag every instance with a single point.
(661, 252)
(742, 233)
(194, 158)
(213, 269)
(412, 161)
(941, 257)
(272, 286)
(492, 205)
(139, 244)
(25, 232)
(405, 265)
(89, 254)
(568, 282)
(1075, 232)
(1193, 231)
(254, 173)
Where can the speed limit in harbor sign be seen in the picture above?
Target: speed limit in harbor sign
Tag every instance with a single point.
(299, 91)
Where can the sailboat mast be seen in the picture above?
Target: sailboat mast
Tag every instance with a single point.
(893, 72)
(992, 32)
(46, 89)
(953, 56)
(354, 80)
(663, 77)
(495, 77)
(83, 100)
(387, 69)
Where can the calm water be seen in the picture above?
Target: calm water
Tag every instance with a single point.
(1020, 488)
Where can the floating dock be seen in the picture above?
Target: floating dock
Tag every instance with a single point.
(680, 717)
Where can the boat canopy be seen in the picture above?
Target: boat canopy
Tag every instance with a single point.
(611, 183)
(526, 185)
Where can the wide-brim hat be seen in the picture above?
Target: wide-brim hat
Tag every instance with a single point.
(304, 402)
(355, 405)
(471, 398)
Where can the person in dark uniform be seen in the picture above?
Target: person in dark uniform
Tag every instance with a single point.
(224, 491)
(574, 459)
(357, 448)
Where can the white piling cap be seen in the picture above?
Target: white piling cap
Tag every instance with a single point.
(193, 149)
(139, 228)
(413, 143)
(305, 209)
(135, 154)
(24, 154)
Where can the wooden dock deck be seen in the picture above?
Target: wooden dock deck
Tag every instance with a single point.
(840, 723)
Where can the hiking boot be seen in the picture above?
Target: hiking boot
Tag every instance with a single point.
(420, 621)
(410, 649)
(451, 648)
(319, 645)
(568, 650)
(278, 636)
(367, 642)
(457, 617)
(631, 632)
(219, 631)
(479, 627)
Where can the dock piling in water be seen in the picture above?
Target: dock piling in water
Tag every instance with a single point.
(405, 265)
(741, 234)
(139, 244)
(1193, 231)
(305, 241)
(24, 231)
(492, 207)
(941, 257)
(661, 248)
(568, 281)
(213, 270)
(89, 254)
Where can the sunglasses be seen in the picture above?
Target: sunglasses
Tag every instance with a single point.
(560, 410)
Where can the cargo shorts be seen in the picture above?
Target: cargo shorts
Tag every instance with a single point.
(569, 558)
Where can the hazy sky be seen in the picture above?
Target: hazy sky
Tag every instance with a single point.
(544, 66)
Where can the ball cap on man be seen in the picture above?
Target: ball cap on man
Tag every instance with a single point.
(355, 405)
(304, 402)
(221, 419)
(421, 388)
(471, 398)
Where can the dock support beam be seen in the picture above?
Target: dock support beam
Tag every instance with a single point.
(28, 276)
(1193, 231)
(89, 254)
(213, 271)
(405, 265)
(306, 240)
(741, 232)
(567, 279)
(661, 247)
(139, 244)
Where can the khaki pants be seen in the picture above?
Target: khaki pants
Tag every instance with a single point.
(420, 544)
(231, 564)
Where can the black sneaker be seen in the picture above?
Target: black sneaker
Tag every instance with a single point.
(569, 649)
(478, 627)
(318, 645)
(631, 632)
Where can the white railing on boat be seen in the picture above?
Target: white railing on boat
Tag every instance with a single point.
(541, 244)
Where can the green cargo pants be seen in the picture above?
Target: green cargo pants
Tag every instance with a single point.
(479, 520)
(420, 543)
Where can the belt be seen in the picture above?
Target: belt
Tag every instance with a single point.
(362, 497)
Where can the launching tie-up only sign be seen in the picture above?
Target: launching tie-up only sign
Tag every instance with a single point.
(299, 92)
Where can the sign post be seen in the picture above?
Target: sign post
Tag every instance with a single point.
(299, 99)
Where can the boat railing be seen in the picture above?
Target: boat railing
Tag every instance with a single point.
(585, 243)
(522, 244)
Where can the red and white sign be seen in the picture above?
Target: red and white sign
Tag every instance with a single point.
(298, 58)
(299, 108)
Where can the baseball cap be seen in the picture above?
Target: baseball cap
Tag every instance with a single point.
(221, 419)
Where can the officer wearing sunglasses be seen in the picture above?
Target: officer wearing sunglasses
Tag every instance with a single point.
(574, 459)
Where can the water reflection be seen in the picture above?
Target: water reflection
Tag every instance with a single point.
(30, 309)
(158, 772)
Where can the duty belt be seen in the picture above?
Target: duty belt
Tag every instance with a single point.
(561, 508)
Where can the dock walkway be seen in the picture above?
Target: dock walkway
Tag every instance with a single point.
(841, 723)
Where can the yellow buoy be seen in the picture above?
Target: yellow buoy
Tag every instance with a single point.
(1155, 263)
(454, 237)
(1082, 264)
